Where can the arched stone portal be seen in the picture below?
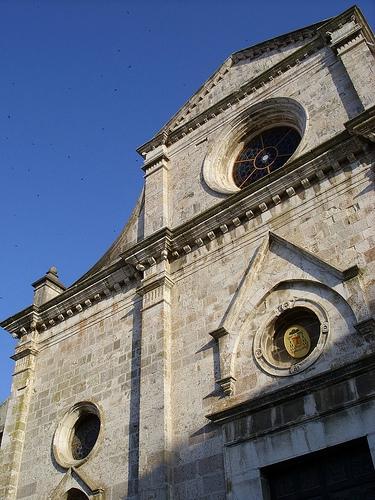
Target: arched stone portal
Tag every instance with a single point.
(75, 494)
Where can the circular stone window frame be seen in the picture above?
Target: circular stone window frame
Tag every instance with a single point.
(62, 439)
(224, 150)
(266, 330)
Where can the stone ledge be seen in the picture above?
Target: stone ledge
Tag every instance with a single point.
(226, 411)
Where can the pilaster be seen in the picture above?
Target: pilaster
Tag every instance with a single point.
(350, 42)
(156, 169)
(155, 410)
(17, 415)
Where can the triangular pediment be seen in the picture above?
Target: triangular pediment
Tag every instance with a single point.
(278, 260)
(279, 264)
(238, 69)
(73, 479)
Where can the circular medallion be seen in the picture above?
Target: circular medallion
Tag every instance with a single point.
(297, 341)
(291, 336)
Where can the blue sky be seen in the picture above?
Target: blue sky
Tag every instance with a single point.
(83, 83)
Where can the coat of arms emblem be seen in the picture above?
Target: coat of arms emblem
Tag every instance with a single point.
(297, 341)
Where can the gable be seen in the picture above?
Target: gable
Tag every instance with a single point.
(288, 262)
(240, 68)
(230, 79)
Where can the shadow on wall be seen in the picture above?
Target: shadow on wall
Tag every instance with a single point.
(196, 466)
(345, 89)
(133, 450)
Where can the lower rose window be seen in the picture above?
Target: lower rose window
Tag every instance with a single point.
(77, 434)
(85, 434)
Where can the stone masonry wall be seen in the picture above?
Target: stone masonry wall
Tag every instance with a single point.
(320, 84)
(335, 221)
(95, 359)
(155, 337)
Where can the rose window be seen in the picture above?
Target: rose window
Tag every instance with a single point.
(265, 153)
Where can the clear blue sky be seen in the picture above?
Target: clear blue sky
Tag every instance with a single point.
(83, 83)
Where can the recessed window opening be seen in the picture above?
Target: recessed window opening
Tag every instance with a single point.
(77, 434)
(266, 152)
(85, 434)
(75, 494)
(296, 334)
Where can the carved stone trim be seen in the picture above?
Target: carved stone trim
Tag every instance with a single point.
(227, 385)
(202, 229)
(265, 331)
(284, 306)
(259, 82)
(62, 439)
(179, 126)
(221, 155)
(220, 332)
(29, 351)
(79, 480)
(157, 163)
(155, 283)
(66, 305)
(363, 125)
(221, 413)
(240, 208)
(24, 358)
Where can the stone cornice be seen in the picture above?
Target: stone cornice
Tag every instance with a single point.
(230, 410)
(255, 51)
(334, 33)
(157, 243)
(29, 351)
(166, 244)
(265, 47)
(157, 160)
(154, 282)
(72, 301)
(363, 125)
(91, 290)
(251, 53)
(19, 324)
(311, 168)
(236, 210)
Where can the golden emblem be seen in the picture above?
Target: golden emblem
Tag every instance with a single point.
(297, 341)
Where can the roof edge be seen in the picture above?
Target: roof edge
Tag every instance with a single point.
(224, 67)
(321, 27)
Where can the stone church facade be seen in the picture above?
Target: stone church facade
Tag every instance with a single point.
(223, 347)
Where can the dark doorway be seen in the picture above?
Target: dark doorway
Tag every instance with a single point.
(75, 494)
(343, 472)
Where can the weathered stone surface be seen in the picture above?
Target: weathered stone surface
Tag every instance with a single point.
(164, 329)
